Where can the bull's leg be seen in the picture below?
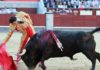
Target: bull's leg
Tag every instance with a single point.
(44, 57)
(73, 58)
(32, 68)
(91, 56)
(98, 56)
(46, 54)
(34, 65)
(42, 65)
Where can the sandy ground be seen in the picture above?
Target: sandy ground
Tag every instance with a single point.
(64, 63)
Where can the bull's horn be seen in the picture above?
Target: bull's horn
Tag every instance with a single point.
(23, 52)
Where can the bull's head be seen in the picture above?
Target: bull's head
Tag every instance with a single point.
(32, 54)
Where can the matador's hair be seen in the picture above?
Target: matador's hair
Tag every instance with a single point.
(12, 19)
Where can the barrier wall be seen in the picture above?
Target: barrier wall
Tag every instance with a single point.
(38, 19)
(80, 19)
(76, 21)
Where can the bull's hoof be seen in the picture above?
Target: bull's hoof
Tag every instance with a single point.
(42, 66)
(92, 69)
(73, 58)
(31, 68)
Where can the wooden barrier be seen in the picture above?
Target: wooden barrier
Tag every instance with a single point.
(38, 19)
(76, 21)
(61, 20)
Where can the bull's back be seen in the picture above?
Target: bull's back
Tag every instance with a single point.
(69, 41)
(67, 38)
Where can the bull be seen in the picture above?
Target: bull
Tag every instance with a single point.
(43, 46)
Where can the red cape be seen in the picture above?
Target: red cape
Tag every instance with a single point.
(6, 61)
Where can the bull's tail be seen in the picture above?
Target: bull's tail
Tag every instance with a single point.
(59, 44)
(95, 30)
(98, 56)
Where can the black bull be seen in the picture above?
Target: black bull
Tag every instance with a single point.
(42, 47)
